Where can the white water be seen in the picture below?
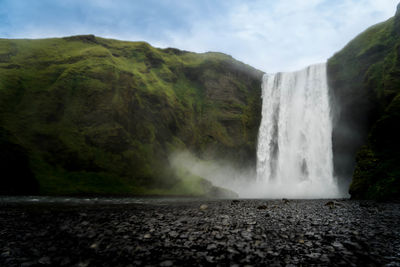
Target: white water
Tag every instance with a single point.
(294, 154)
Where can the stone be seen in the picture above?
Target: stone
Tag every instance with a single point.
(211, 247)
(166, 263)
(5, 253)
(330, 204)
(352, 245)
(44, 261)
(203, 207)
(84, 263)
(173, 234)
(314, 256)
(294, 234)
(94, 245)
(147, 236)
(28, 264)
(65, 261)
(308, 244)
(337, 245)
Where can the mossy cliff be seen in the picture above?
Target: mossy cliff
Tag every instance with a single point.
(364, 79)
(93, 115)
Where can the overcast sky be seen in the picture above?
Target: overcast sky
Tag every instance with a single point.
(270, 35)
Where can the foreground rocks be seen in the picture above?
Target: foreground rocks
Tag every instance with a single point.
(201, 233)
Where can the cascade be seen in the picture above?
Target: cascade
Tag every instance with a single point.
(294, 153)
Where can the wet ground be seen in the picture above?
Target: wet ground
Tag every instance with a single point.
(190, 232)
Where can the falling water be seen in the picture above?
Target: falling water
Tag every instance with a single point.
(294, 155)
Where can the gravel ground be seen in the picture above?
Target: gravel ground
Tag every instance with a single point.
(201, 233)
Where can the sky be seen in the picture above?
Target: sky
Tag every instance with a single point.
(270, 35)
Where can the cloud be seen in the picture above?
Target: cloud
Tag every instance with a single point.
(285, 35)
(270, 35)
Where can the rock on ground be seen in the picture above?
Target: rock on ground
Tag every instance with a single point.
(176, 233)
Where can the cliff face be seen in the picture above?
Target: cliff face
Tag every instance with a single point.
(365, 81)
(102, 116)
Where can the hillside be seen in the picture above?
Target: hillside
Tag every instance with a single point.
(365, 81)
(84, 114)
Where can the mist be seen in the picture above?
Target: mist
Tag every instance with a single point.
(295, 150)
(244, 181)
(220, 173)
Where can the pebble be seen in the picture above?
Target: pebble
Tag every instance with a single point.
(147, 236)
(45, 261)
(178, 233)
(203, 207)
(211, 247)
(94, 245)
(173, 234)
(166, 263)
(5, 254)
(337, 245)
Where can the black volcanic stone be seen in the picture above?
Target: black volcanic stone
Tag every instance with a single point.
(177, 233)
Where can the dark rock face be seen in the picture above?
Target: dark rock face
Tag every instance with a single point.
(16, 175)
(364, 79)
(102, 116)
(398, 10)
(197, 233)
(396, 29)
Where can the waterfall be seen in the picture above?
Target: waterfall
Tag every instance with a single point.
(294, 154)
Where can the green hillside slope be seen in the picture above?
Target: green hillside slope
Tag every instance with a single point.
(365, 82)
(94, 115)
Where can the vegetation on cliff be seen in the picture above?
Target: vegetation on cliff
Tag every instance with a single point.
(365, 82)
(95, 115)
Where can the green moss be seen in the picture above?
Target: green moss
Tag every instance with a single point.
(365, 78)
(101, 116)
